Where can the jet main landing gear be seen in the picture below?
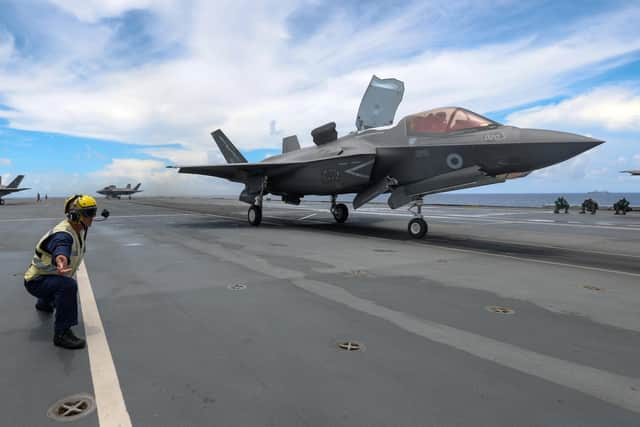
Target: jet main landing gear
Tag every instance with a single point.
(340, 211)
(417, 226)
(254, 215)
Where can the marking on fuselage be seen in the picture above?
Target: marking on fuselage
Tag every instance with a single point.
(494, 137)
(454, 161)
(352, 171)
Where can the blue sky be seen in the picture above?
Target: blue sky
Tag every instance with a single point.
(98, 92)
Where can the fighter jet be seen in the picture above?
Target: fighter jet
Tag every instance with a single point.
(633, 172)
(11, 188)
(430, 152)
(113, 192)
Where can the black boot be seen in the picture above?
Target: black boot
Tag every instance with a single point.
(66, 339)
(47, 308)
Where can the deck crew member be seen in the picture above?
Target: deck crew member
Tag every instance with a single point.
(56, 258)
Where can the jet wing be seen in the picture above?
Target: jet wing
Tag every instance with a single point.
(241, 172)
(5, 191)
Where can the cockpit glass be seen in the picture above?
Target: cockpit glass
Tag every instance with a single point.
(443, 120)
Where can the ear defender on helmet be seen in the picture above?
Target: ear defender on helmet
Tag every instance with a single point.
(69, 208)
(80, 205)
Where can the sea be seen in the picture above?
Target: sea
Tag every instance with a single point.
(604, 199)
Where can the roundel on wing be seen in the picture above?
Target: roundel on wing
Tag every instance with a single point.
(454, 161)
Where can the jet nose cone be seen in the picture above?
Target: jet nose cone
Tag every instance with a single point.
(554, 147)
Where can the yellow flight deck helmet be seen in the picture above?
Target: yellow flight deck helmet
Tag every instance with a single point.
(80, 205)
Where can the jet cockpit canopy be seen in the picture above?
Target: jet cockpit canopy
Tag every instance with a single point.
(444, 120)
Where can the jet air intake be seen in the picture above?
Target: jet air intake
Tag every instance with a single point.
(325, 133)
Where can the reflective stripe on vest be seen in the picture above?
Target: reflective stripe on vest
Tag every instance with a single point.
(42, 263)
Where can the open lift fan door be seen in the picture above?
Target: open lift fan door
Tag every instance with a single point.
(379, 103)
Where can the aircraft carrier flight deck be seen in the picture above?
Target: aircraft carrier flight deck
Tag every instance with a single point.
(498, 317)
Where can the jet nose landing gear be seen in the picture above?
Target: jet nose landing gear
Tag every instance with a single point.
(417, 226)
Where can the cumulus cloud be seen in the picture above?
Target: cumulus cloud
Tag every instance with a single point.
(613, 108)
(94, 10)
(6, 46)
(181, 71)
(245, 77)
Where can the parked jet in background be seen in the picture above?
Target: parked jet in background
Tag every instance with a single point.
(634, 172)
(425, 153)
(113, 192)
(11, 188)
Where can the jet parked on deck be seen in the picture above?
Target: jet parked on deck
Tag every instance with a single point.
(113, 192)
(430, 152)
(11, 188)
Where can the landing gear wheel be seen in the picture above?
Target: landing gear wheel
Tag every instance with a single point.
(340, 212)
(1, 202)
(254, 215)
(417, 228)
(129, 197)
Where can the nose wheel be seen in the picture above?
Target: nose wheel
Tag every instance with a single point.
(418, 227)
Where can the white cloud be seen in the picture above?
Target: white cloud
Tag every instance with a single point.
(613, 108)
(5, 162)
(6, 46)
(93, 10)
(240, 71)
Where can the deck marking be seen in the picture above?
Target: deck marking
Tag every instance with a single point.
(607, 386)
(112, 216)
(541, 261)
(112, 410)
(613, 388)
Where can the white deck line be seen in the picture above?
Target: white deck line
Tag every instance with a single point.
(112, 411)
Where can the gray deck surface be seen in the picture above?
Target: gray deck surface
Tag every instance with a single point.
(190, 351)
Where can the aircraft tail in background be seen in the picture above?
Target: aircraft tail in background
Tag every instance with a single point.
(16, 182)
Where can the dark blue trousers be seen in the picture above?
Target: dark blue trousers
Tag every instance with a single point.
(61, 290)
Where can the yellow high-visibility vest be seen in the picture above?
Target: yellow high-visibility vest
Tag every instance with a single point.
(43, 263)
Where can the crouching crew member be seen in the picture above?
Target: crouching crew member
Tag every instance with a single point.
(55, 261)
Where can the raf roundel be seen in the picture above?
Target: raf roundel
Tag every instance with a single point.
(454, 161)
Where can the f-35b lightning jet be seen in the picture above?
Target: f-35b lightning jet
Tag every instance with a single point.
(113, 192)
(11, 188)
(425, 153)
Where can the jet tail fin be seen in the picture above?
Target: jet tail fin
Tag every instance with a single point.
(137, 186)
(229, 151)
(16, 182)
(290, 143)
(128, 186)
